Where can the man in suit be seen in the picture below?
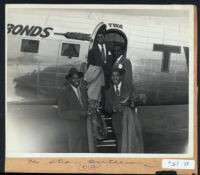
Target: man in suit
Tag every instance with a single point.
(117, 96)
(122, 62)
(72, 108)
(100, 55)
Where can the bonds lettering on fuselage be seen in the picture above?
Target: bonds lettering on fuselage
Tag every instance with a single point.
(28, 30)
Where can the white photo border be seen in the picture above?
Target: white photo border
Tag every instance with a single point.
(190, 153)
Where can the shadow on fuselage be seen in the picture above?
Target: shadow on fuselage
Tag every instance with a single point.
(42, 83)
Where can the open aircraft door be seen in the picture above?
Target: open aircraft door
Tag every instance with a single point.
(113, 35)
(109, 143)
(100, 26)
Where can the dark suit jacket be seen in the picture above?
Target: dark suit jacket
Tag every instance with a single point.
(69, 110)
(113, 100)
(94, 58)
(127, 66)
(68, 103)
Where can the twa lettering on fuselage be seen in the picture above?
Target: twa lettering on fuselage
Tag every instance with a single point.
(120, 26)
(167, 50)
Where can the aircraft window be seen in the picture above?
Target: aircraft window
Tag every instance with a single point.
(30, 46)
(70, 50)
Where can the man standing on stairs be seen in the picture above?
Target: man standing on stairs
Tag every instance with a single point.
(122, 62)
(120, 104)
(100, 56)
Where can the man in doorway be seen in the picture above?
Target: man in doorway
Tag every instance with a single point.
(100, 56)
(122, 62)
(72, 108)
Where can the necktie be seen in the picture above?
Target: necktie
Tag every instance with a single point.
(117, 90)
(117, 61)
(103, 55)
(79, 97)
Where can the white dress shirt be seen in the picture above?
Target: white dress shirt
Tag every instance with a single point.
(78, 94)
(119, 86)
(118, 59)
(75, 90)
(100, 48)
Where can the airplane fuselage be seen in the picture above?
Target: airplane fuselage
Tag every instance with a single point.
(46, 52)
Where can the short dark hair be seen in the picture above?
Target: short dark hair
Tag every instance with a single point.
(120, 71)
(122, 47)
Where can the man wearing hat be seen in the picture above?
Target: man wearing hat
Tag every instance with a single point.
(123, 62)
(119, 97)
(72, 105)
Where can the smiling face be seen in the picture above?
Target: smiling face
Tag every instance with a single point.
(100, 38)
(117, 52)
(116, 77)
(75, 80)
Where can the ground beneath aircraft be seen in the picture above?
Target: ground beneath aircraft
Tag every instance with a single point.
(37, 129)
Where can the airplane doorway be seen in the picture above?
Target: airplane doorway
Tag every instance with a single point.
(114, 36)
(109, 145)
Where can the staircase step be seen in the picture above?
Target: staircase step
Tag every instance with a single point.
(107, 149)
(107, 145)
(106, 141)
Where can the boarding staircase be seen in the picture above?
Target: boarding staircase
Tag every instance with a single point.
(108, 145)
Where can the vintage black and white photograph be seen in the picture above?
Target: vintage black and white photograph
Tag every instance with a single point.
(99, 79)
